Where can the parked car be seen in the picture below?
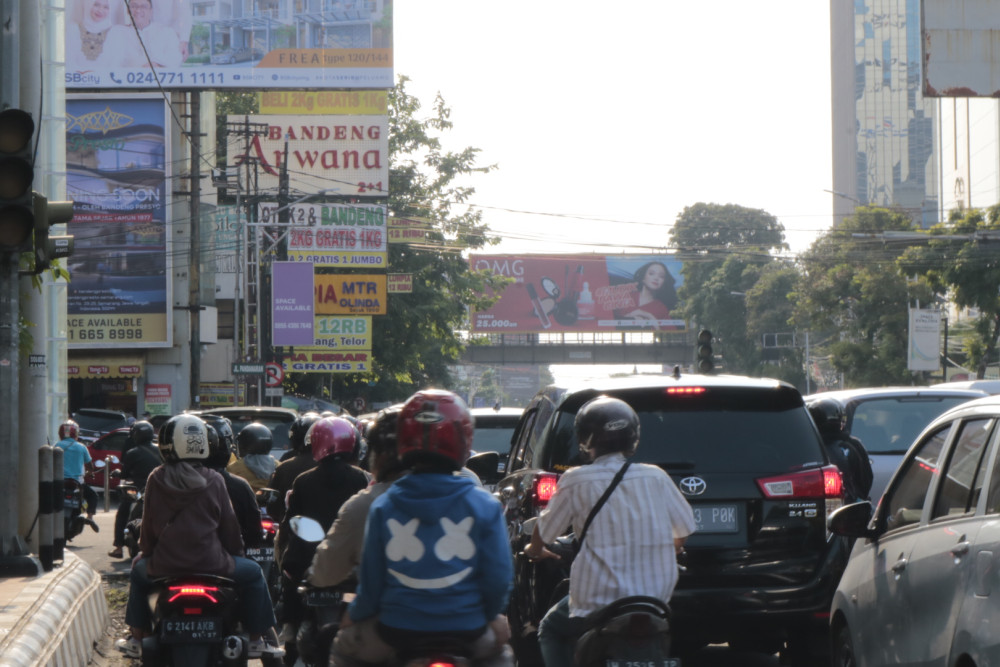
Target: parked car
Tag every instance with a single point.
(95, 422)
(236, 55)
(918, 588)
(278, 420)
(760, 571)
(887, 419)
(494, 431)
(108, 445)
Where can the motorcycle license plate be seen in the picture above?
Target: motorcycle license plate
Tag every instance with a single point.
(201, 629)
(322, 597)
(72, 504)
(260, 554)
(665, 662)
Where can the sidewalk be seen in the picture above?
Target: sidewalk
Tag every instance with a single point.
(53, 619)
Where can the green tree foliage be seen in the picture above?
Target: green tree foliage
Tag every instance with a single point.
(963, 262)
(419, 337)
(726, 249)
(853, 293)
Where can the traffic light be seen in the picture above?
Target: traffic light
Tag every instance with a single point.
(706, 363)
(17, 213)
(48, 248)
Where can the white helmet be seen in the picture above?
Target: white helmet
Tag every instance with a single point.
(184, 438)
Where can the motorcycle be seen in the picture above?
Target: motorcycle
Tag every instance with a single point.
(134, 525)
(264, 554)
(74, 517)
(306, 534)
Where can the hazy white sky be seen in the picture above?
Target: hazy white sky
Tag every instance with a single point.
(614, 116)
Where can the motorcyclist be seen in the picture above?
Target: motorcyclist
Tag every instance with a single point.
(339, 553)
(290, 468)
(138, 462)
(240, 494)
(77, 462)
(436, 561)
(845, 450)
(631, 543)
(256, 465)
(188, 525)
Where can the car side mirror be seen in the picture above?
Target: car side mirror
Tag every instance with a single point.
(485, 466)
(852, 520)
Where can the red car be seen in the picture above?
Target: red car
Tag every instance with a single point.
(109, 444)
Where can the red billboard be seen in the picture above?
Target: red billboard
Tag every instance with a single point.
(581, 293)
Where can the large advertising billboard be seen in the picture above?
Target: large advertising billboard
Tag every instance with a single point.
(581, 293)
(215, 44)
(960, 40)
(117, 166)
(341, 235)
(333, 155)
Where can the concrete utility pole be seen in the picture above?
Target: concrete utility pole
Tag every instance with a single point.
(194, 273)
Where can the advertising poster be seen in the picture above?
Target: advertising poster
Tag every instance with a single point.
(924, 341)
(334, 155)
(403, 230)
(344, 235)
(581, 293)
(227, 237)
(157, 399)
(332, 102)
(322, 361)
(217, 44)
(292, 303)
(354, 294)
(343, 333)
(117, 166)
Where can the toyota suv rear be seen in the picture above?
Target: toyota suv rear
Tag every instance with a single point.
(760, 571)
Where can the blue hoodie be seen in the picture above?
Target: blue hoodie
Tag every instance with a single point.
(436, 556)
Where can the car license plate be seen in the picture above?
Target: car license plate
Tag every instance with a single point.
(716, 518)
(663, 662)
(202, 629)
(260, 554)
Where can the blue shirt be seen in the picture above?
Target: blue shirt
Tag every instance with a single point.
(75, 456)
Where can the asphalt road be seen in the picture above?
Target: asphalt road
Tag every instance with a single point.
(94, 547)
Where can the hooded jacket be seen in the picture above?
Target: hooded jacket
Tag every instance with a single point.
(188, 522)
(436, 556)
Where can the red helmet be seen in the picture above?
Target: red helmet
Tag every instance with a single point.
(330, 436)
(69, 429)
(435, 422)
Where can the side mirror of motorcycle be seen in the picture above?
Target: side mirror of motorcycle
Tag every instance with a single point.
(307, 529)
(99, 463)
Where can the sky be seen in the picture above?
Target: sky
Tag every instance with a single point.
(607, 119)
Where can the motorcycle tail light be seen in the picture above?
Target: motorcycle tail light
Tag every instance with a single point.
(268, 525)
(193, 591)
(545, 486)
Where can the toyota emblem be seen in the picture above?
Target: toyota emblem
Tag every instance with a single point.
(692, 486)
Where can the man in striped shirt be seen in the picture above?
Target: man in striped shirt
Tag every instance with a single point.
(630, 547)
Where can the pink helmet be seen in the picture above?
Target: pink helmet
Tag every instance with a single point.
(330, 436)
(69, 429)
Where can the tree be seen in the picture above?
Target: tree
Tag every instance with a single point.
(853, 292)
(968, 268)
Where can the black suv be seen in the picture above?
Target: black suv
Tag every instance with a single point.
(95, 422)
(760, 571)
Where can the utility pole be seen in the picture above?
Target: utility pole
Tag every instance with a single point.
(280, 253)
(194, 273)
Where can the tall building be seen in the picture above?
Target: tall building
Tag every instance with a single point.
(884, 149)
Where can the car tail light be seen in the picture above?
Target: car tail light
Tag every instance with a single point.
(193, 591)
(545, 486)
(821, 483)
(685, 391)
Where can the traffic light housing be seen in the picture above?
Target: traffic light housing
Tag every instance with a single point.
(706, 359)
(47, 247)
(17, 171)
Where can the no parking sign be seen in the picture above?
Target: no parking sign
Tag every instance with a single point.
(274, 374)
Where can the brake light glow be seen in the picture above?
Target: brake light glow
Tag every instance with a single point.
(193, 591)
(268, 525)
(545, 486)
(817, 483)
(684, 391)
(441, 664)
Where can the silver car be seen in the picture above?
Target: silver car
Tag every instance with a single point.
(918, 587)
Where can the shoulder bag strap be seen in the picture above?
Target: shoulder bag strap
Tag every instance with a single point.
(600, 503)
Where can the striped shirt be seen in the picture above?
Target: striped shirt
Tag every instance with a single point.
(629, 547)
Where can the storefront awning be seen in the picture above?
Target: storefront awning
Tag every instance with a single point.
(104, 366)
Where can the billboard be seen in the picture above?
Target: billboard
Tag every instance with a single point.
(343, 235)
(959, 41)
(334, 155)
(291, 303)
(117, 166)
(323, 361)
(324, 102)
(354, 294)
(581, 293)
(217, 44)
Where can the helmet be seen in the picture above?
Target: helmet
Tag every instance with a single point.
(254, 438)
(299, 428)
(184, 438)
(435, 424)
(224, 428)
(332, 436)
(69, 429)
(605, 424)
(830, 418)
(381, 439)
(218, 451)
(141, 433)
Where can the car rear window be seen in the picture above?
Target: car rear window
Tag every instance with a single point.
(98, 423)
(493, 435)
(718, 431)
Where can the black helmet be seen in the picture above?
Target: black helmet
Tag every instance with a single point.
(381, 439)
(297, 431)
(605, 425)
(184, 438)
(829, 416)
(218, 451)
(254, 438)
(141, 433)
(224, 428)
